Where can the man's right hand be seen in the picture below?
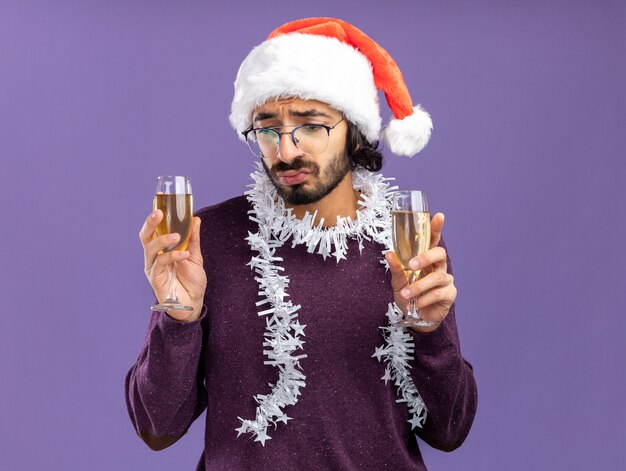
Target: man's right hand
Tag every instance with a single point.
(191, 278)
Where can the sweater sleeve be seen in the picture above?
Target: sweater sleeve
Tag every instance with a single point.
(165, 389)
(445, 380)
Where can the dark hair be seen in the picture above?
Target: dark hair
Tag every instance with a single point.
(361, 151)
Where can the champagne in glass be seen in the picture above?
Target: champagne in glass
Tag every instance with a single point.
(177, 217)
(410, 235)
(174, 198)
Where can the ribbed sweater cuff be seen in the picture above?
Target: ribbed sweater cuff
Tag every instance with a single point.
(181, 330)
(432, 342)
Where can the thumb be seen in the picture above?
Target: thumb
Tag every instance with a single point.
(398, 277)
(436, 226)
(194, 240)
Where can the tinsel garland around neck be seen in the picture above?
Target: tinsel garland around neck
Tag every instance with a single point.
(283, 332)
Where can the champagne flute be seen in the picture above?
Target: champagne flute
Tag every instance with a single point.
(174, 198)
(410, 235)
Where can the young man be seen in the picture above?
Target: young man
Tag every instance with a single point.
(291, 284)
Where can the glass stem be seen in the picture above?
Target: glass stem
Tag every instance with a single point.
(412, 308)
(171, 297)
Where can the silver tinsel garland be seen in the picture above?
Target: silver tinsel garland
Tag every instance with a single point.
(283, 332)
(398, 355)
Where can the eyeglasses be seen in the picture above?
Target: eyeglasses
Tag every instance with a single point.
(311, 139)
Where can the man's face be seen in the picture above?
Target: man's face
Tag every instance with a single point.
(300, 178)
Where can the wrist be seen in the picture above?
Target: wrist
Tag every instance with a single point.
(425, 330)
(186, 316)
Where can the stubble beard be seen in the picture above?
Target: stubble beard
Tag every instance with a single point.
(299, 194)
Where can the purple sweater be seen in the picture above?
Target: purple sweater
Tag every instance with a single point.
(347, 418)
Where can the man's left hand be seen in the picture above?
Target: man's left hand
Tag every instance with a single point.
(435, 290)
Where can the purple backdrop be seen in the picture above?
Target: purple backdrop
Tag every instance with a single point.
(527, 162)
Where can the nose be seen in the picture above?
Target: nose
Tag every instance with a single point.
(287, 150)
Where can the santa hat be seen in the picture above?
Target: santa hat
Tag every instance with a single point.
(329, 60)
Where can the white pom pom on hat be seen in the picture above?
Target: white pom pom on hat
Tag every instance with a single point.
(330, 60)
(409, 135)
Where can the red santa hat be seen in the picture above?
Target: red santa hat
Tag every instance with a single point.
(329, 60)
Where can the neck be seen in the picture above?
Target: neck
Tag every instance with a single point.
(343, 201)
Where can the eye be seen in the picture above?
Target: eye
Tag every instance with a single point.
(266, 133)
(312, 128)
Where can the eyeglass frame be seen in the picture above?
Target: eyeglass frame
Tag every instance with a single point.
(292, 132)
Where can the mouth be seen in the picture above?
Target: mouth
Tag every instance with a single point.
(293, 177)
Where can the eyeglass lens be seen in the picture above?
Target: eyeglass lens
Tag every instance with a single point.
(310, 139)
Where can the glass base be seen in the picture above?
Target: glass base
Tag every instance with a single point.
(173, 306)
(414, 322)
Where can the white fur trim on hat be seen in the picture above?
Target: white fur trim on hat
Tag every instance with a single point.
(409, 135)
(310, 67)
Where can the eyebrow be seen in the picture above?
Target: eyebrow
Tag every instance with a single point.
(299, 114)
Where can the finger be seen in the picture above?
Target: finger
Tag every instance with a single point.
(430, 257)
(436, 226)
(434, 280)
(445, 296)
(194, 239)
(149, 226)
(168, 258)
(398, 276)
(152, 248)
(393, 261)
